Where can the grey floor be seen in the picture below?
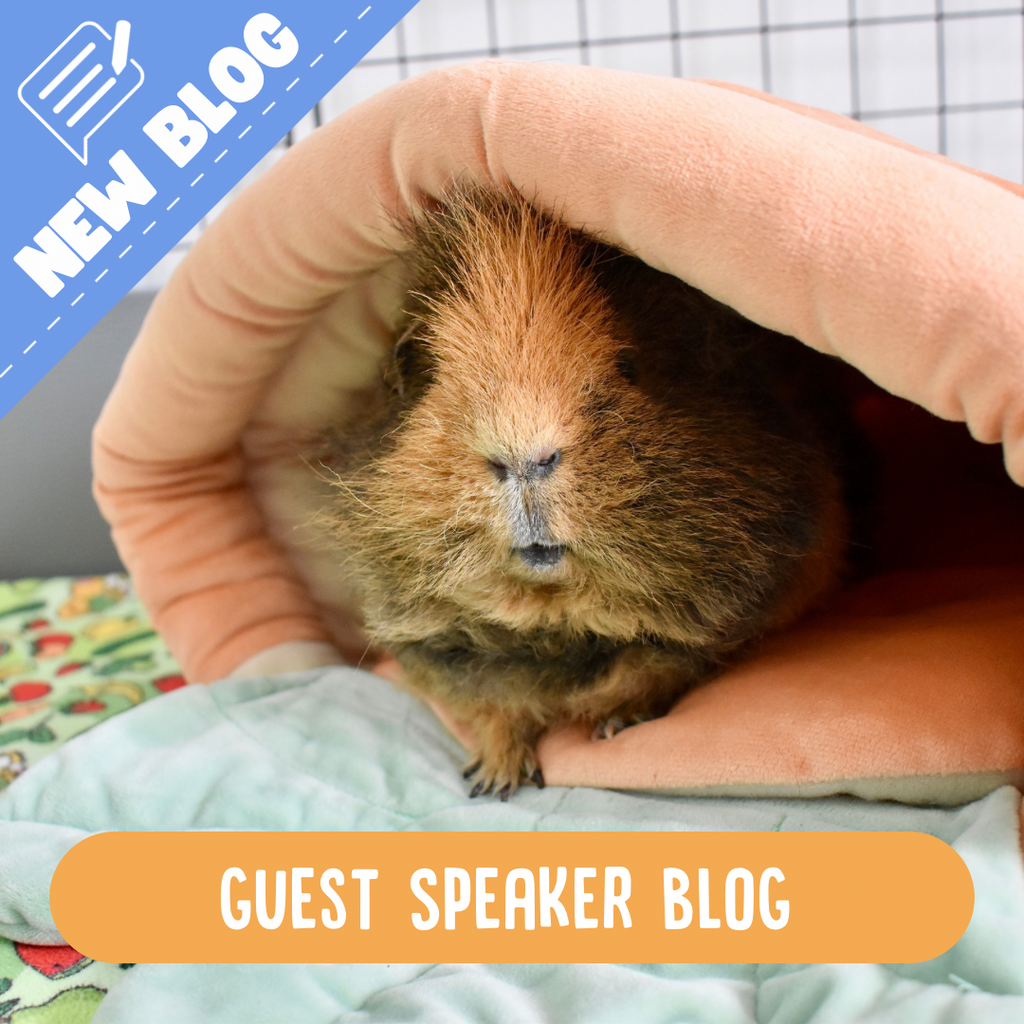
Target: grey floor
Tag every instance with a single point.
(49, 524)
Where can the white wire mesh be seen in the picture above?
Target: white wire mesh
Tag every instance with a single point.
(945, 75)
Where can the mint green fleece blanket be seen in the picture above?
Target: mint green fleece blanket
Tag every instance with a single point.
(343, 750)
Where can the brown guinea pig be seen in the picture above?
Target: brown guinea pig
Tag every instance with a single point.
(584, 487)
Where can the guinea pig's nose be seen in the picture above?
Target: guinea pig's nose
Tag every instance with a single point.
(536, 466)
(541, 556)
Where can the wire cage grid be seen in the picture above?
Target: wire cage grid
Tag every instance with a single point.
(944, 75)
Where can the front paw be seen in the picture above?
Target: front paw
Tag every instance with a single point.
(503, 771)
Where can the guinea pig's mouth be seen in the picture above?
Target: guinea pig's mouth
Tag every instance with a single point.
(541, 556)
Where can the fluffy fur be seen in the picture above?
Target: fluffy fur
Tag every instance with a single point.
(583, 486)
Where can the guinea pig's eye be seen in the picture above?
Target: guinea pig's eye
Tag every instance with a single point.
(412, 362)
(625, 363)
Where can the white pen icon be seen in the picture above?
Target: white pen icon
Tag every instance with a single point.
(119, 58)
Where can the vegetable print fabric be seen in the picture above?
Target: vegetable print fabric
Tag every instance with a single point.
(73, 652)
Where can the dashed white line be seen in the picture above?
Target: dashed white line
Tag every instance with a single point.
(196, 182)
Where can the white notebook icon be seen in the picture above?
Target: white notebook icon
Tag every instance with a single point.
(81, 83)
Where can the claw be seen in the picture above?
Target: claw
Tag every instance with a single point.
(607, 729)
(503, 769)
(611, 727)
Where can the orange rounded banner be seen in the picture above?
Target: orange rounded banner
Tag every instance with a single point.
(527, 897)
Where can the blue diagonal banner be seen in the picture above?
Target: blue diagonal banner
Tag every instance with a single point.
(124, 122)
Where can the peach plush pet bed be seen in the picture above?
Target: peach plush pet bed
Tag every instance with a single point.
(909, 267)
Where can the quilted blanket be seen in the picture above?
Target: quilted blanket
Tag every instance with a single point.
(339, 749)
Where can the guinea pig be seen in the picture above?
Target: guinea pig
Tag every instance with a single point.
(583, 487)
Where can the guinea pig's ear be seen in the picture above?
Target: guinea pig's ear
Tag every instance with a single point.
(412, 365)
